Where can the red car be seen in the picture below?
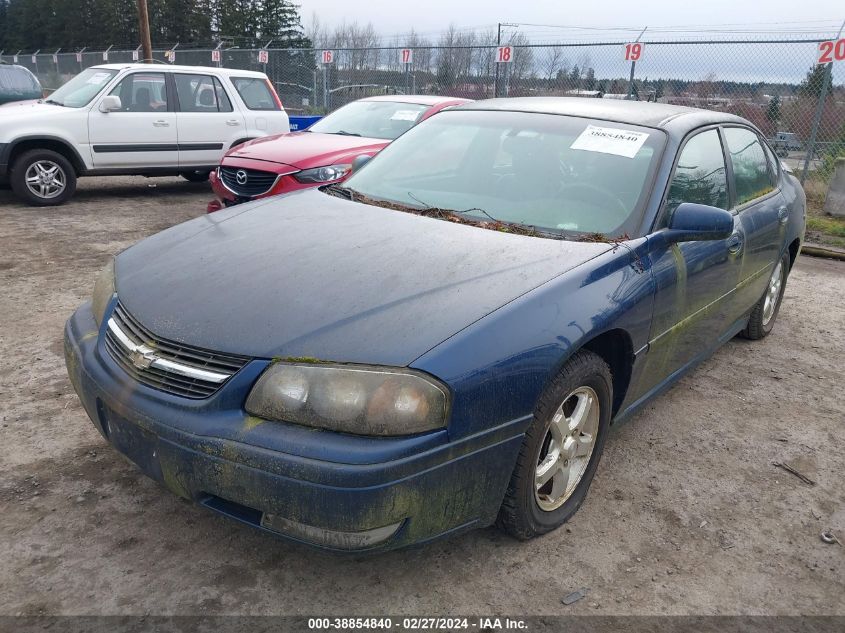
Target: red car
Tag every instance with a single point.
(321, 154)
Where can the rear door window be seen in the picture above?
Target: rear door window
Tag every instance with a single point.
(750, 167)
(256, 93)
(201, 93)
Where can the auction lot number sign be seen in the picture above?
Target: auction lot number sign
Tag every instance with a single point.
(633, 51)
(832, 51)
(504, 54)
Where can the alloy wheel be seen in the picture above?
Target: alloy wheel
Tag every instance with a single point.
(566, 448)
(45, 179)
(773, 291)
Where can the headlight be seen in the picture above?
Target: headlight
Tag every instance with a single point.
(350, 398)
(323, 174)
(103, 292)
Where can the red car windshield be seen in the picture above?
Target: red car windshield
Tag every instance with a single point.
(372, 119)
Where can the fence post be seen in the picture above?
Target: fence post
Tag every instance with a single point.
(496, 78)
(633, 67)
(817, 119)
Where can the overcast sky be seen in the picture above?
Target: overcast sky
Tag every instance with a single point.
(432, 16)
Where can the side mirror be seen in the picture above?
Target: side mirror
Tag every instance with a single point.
(698, 223)
(110, 103)
(360, 161)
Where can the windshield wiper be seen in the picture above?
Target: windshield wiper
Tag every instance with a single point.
(341, 192)
(345, 133)
(52, 102)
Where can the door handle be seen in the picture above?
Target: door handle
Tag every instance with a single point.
(783, 215)
(161, 123)
(232, 122)
(735, 243)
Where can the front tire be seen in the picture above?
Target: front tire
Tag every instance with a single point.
(43, 178)
(763, 316)
(195, 176)
(561, 450)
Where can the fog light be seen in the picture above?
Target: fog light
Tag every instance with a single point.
(330, 538)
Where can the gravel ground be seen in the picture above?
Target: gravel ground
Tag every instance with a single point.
(687, 514)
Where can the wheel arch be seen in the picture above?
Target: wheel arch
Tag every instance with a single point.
(794, 248)
(53, 143)
(615, 348)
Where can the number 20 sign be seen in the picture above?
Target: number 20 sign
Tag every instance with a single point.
(832, 51)
(504, 54)
(633, 51)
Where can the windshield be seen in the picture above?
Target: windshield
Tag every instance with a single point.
(552, 172)
(81, 89)
(373, 119)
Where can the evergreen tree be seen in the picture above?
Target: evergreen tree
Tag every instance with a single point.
(813, 82)
(773, 110)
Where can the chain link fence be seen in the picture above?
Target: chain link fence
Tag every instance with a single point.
(775, 83)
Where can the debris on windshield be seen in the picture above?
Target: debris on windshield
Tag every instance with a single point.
(443, 214)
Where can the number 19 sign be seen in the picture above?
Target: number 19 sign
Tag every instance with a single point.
(633, 51)
(504, 54)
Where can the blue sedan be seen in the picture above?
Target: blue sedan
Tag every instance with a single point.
(444, 341)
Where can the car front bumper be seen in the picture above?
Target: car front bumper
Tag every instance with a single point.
(381, 493)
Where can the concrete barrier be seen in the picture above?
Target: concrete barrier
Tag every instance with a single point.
(834, 202)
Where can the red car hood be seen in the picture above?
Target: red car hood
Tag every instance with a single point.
(307, 149)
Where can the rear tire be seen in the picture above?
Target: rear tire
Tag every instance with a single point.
(763, 316)
(566, 438)
(195, 176)
(43, 178)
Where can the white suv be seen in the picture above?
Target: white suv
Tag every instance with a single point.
(150, 120)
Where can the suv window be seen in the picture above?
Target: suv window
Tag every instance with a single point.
(700, 176)
(201, 93)
(751, 171)
(17, 84)
(79, 91)
(142, 92)
(256, 93)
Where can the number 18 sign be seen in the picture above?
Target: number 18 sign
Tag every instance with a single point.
(504, 54)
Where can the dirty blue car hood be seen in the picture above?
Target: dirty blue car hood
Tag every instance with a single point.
(313, 275)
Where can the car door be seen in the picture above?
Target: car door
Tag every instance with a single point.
(694, 281)
(208, 124)
(142, 133)
(760, 207)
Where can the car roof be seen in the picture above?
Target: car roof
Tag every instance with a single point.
(672, 118)
(428, 100)
(231, 72)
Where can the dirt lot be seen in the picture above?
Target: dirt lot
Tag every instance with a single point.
(687, 513)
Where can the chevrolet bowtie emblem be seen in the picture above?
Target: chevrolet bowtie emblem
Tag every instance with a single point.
(142, 357)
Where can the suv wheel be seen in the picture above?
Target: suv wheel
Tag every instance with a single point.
(42, 178)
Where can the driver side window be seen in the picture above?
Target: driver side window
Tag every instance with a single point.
(700, 175)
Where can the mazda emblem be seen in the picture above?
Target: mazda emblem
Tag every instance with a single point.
(241, 177)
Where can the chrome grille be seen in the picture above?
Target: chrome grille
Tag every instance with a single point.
(172, 367)
(257, 182)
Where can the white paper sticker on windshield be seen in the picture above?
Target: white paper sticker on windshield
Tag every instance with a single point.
(609, 140)
(99, 78)
(405, 115)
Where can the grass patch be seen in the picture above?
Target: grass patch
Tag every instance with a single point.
(831, 226)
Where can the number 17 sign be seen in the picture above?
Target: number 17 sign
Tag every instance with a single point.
(407, 56)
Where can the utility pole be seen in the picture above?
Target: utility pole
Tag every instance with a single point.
(498, 43)
(144, 30)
